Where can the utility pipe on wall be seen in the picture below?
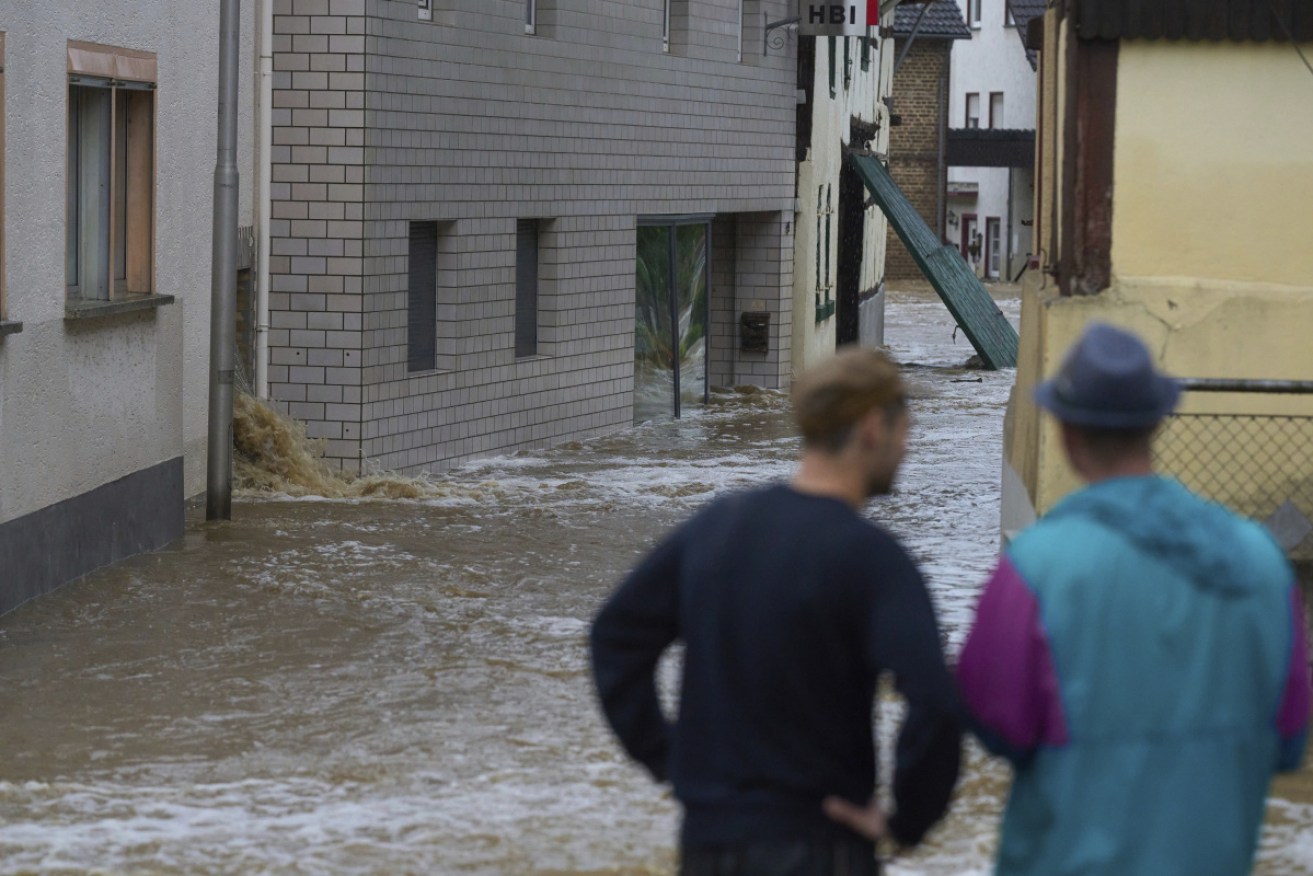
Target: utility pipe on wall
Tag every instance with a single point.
(263, 206)
(223, 274)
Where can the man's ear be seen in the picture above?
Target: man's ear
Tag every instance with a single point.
(872, 428)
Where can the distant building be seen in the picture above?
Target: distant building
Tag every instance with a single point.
(991, 142)
(918, 142)
(1158, 209)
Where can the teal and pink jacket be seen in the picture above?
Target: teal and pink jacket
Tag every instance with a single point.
(1140, 656)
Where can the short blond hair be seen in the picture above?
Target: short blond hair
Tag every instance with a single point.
(831, 396)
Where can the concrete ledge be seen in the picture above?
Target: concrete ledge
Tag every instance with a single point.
(51, 547)
(10, 328)
(83, 308)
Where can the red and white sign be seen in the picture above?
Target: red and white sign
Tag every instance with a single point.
(838, 19)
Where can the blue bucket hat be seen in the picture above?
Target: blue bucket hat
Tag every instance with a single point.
(1108, 381)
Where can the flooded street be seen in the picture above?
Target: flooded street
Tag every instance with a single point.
(400, 686)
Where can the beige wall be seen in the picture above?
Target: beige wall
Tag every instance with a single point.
(1213, 173)
(1194, 328)
(1209, 254)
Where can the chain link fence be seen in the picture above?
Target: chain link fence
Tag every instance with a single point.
(1253, 463)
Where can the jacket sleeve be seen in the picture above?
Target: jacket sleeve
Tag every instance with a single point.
(1293, 715)
(1006, 672)
(630, 633)
(928, 753)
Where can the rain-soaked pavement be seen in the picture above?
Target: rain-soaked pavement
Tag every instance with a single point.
(371, 686)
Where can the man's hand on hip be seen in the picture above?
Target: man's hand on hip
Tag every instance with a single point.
(868, 820)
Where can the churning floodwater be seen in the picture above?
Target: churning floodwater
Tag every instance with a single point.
(365, 685)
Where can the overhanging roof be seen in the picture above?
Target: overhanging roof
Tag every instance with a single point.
(1239, 20)
(942, 21)
(1022, 13)
(990, 147)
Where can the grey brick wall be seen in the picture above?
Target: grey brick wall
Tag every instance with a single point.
(469, 122)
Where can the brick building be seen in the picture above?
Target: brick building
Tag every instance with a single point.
(472, 205)
(918, 139)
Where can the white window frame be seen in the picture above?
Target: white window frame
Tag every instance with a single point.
(973, 14)
(531, 16)
(968, 117)
(665, 25)
(425, 10)
(996, 119)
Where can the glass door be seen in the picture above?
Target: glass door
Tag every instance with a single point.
(654, 365)
(670, 318)
(691, 288)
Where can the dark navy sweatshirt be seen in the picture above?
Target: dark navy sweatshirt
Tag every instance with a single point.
(790, 606)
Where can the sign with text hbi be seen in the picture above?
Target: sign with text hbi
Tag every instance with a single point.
(838, 19)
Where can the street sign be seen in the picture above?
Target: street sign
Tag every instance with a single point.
(838, 19)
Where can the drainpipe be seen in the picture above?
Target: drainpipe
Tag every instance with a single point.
(223, 270)
(266, 171)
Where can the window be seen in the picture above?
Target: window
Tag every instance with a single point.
(820, 214)
(833, 53)
(425, 10)
(422, 298)
(866, 50)
(738, 50)
(973, 110)
(665, 25)
(824, 298)
(973, 13)
(110, 174)
(1007, 14)
(675, 25)
(526, 287)
(993, 245)
(996, 109)
(4, 311)
(530, 16)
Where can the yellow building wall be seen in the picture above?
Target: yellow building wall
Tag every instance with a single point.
(1211, 259)
(1214, 162)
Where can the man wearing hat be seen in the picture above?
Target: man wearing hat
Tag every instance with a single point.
(790, 604)
(1139, 653)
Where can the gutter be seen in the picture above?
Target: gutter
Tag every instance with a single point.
(264, 207)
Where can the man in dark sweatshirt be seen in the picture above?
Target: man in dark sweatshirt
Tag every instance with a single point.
(790, 605)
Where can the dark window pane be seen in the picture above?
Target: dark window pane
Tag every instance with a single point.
(422, 299)
(526, 288)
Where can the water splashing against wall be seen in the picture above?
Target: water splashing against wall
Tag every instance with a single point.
(273, 454)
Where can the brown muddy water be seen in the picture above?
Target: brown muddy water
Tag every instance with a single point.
(366, 685)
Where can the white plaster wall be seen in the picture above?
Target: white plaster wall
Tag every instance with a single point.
(992, 60)
(84, 404)
(831, 117)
